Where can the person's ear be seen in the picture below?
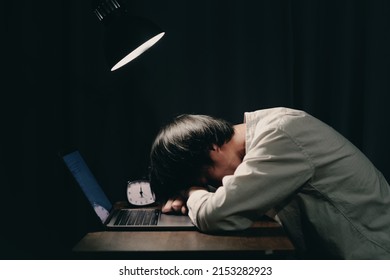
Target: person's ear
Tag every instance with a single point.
(214, 147)
(214, 152)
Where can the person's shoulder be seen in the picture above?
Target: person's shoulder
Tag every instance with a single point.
(273, 114)
(277, 111)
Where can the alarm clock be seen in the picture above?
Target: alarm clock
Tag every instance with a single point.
(139, 193)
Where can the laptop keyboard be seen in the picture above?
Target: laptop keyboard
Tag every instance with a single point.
(137, 217)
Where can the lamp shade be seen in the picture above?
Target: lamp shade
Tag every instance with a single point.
(127, 37)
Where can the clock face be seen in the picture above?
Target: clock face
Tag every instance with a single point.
(140, 193)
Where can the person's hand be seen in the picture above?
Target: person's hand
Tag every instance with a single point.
(178, 204)
(175, 205)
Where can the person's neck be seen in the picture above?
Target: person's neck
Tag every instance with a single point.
(238, 139)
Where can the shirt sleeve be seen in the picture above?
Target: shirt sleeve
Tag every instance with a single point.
(274, 167)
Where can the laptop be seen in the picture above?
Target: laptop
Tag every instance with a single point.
(122, 219)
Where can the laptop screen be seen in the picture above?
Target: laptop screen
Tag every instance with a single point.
(88, 184)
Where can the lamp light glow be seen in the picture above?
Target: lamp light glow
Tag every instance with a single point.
(138, 51)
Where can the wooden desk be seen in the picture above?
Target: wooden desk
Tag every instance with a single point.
(266, 240)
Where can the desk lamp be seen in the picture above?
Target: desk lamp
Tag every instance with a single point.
(126, 36)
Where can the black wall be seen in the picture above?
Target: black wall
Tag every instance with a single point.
(329, 58)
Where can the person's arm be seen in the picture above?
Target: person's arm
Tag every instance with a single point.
(274, 167)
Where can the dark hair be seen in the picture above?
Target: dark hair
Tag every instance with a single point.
(182, 149)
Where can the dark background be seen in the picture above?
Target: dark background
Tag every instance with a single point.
(329, 58)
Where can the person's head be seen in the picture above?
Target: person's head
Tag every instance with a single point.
(180, 153)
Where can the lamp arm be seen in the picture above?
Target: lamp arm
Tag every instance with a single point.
(107, 7)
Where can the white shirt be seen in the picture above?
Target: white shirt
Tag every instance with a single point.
(329, 197)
